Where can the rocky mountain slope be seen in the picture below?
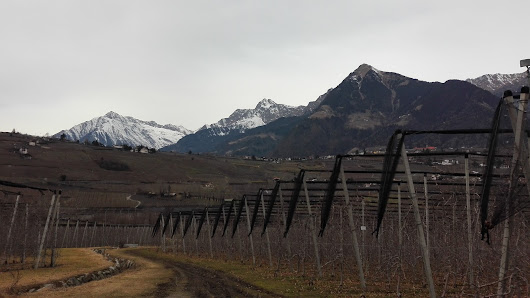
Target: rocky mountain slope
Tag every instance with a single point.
(114, 129)
(498, 83)
(266, 111)
(363, 111)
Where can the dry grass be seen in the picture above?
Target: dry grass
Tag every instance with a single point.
(140, 281)
(72, 261)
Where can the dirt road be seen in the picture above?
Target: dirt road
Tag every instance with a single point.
(192, 281)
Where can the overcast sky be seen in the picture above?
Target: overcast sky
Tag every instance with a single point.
(194, 62)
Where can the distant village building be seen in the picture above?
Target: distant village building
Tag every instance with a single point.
(32, 143)
(144, 150)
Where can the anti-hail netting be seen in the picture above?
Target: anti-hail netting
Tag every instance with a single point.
(505, 191)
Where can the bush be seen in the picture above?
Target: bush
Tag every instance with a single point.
(113, 165)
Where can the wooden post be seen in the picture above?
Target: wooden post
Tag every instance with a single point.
(266, 231)
(419, 224)
(250, 235)
(6, 253)
(313, 230)
(353, 229)
(42, 240)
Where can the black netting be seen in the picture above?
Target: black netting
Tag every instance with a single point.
(294, 200)
(156, 227)
(188, 223)
(238, 215)
(327, 201)
(217, 218)
(270, 206)
(392, 156)
(504, 192)
(255, 211)
(166, 223)
(176, 224)
(201, 222)
(228, 217)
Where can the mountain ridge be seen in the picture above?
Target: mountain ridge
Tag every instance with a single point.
(115, 129)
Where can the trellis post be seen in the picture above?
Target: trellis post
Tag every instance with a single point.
(504, 264)
(6, 254)
(54, 249)
(419, 224)
(427, 229)
(266, 232)
(93, 233)
(182, 233)
(284, 227)
(84, 234)
(43, 238)
(74, 238)
(313, 230)
(250, 235)
(209, 233)
(25, 235)
(353, 229)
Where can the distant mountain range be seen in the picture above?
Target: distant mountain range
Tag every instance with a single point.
(362, 111)
(114, 129)
(209, 136)
(498, 83)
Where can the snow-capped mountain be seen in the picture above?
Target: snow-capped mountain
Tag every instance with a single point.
(265, 112)
(498, 83)
(114, 129)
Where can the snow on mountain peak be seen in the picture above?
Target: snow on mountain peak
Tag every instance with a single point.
(114, 129)
(265, 112)
(112, 115)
